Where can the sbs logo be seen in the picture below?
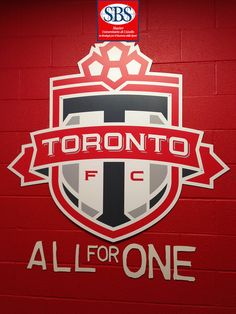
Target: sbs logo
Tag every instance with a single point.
(117, 14)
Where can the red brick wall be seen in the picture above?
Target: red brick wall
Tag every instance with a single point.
(41, 40)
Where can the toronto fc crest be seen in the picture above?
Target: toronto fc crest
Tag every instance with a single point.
(115, 155)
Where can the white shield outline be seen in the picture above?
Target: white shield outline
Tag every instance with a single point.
(111, 235)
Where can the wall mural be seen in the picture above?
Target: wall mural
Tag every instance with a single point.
(116, 155)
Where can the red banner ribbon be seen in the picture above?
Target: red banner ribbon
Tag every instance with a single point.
(180, 147)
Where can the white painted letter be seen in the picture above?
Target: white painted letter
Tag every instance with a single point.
(37, 248)
(131, 140)
(91, 140)
(99, 254)
(50, 142)
(113, 252)
(141, 271)
(107, 141)
(70, 138)
(182, 263)
(158, 139)
(56, 268)
(77, 267)
(175, 140)
(89, 253)
(165, 269)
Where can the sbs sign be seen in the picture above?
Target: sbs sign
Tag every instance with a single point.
(117, 14)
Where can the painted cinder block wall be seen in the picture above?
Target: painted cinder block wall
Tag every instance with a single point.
(40, 40)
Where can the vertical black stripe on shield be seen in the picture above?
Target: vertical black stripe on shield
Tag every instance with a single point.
(113, 194)
(113, 183)
(114, 107)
